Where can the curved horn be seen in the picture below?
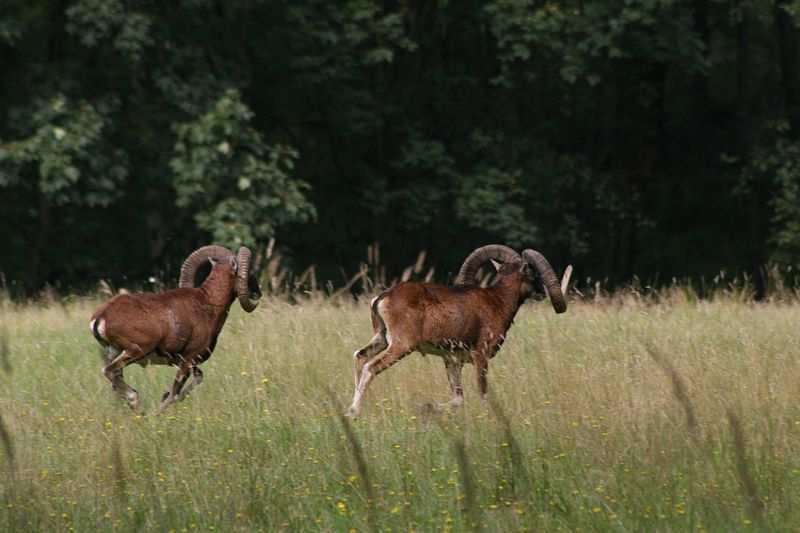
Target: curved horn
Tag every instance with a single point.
(473, 262)
(549, 279)
(243, 280)
(196, 267)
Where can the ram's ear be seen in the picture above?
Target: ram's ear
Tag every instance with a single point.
(212, 261)
(496, 264)
(234, 263)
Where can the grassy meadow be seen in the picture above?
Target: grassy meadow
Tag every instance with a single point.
(624, 414)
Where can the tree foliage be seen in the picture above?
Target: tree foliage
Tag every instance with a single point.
(633, 137)
(239, 188)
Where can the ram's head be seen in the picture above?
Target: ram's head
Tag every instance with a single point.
(197, 267)
(527, 262)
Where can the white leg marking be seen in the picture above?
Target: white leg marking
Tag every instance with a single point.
(355, 367)
(169, 400)
(189, 387)
(361, 387)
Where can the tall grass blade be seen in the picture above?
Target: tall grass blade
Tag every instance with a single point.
(8, 447)
(748, 484)
(518, 469)
(678, 390)
(469, 509)
(120, 481)
(359, 458)
(5, 351)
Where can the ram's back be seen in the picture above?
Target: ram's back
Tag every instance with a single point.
(164, 321)
(434, 313)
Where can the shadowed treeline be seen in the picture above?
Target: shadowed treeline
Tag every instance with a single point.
(654, 139)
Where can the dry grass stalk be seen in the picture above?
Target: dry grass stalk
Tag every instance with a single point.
(419, 264)
(429, 275)
(346, 288)
(565, 279)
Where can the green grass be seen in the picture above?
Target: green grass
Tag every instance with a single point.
(594, 438)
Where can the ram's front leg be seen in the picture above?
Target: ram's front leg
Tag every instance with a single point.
(197, 379)
(485, 349)
(482, 369)
(172, 395)
(480, 358)
(453, 364)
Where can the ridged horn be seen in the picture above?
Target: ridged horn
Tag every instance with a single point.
(243, 281)
(549, 279)
(197, 267)
(477, 258)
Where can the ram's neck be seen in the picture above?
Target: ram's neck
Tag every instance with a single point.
(508, 297)
(218, 291)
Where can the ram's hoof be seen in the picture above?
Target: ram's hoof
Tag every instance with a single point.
(132, 397)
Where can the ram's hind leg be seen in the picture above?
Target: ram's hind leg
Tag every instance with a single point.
(369, 370)
(113, 371)
(360, 357)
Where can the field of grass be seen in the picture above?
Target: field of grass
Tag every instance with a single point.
(619, 415)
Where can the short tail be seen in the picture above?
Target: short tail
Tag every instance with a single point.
(378, 342)
(377, 320)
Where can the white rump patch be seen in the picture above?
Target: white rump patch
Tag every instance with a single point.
(101, 328)
(380, 310)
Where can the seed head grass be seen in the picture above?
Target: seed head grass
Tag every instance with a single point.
(585, 428)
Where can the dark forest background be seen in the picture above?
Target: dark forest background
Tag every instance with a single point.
(649, 138)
